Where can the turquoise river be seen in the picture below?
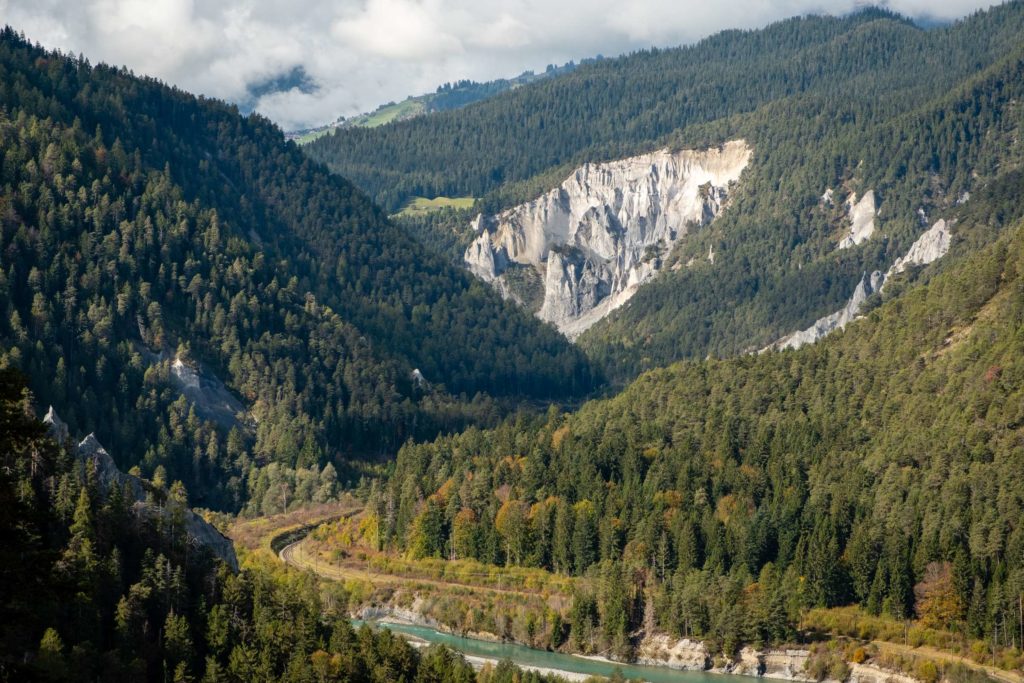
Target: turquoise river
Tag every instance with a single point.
(559, 663)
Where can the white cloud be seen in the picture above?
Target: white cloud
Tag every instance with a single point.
(504, 32)
(398, 29)
(364, 52)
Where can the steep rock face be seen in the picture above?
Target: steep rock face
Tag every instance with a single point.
(203, 389)
(55, 426)
(605, 230)
(207, 393)
(785, 664)
(862, 219)
(867, 286)
(659, 649)
(788, 665)
(397, 615)
(92, 454)
(930, 246)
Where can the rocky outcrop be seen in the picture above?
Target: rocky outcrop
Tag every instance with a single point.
(207, 393)
(106, 472)
(684, 654)
(930, 246)
(869, 673)
(203, 389)
(398, 615)
(867, 286)
(55, 427)
(605, 231)
(692, 655)
(198, 532)
(861, 215)
(788, 665)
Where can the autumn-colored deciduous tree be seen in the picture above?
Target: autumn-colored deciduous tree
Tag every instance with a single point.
(937, 602)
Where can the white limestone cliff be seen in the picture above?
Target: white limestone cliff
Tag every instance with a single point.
(595, 239)
(659, 649)
(862, 219)
(867, 286)
(930, 246)
(873, 673)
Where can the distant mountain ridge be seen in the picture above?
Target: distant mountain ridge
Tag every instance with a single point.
(612, 107)
(447, 97)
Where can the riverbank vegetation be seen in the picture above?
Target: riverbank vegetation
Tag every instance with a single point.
(924, 632)
(469, 599)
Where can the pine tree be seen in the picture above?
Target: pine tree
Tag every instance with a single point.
(561, 541)
(50, 660)
(584, 536)
(177, 644)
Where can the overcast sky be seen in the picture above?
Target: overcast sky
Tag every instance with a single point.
(356, 54)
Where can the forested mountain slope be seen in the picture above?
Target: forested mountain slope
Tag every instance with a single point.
(604, 110)
(153, 242)
(777, 263)
(92, 591)
(720, 498)
(865, 105)
(447, 97)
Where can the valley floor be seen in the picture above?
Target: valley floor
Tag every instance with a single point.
(305, 555)
(416, 591)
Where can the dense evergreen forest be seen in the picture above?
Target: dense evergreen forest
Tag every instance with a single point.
(239, 324)
(864, 102)
(445, 98)
(88, 592)
(721, 499)
(140, 225)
